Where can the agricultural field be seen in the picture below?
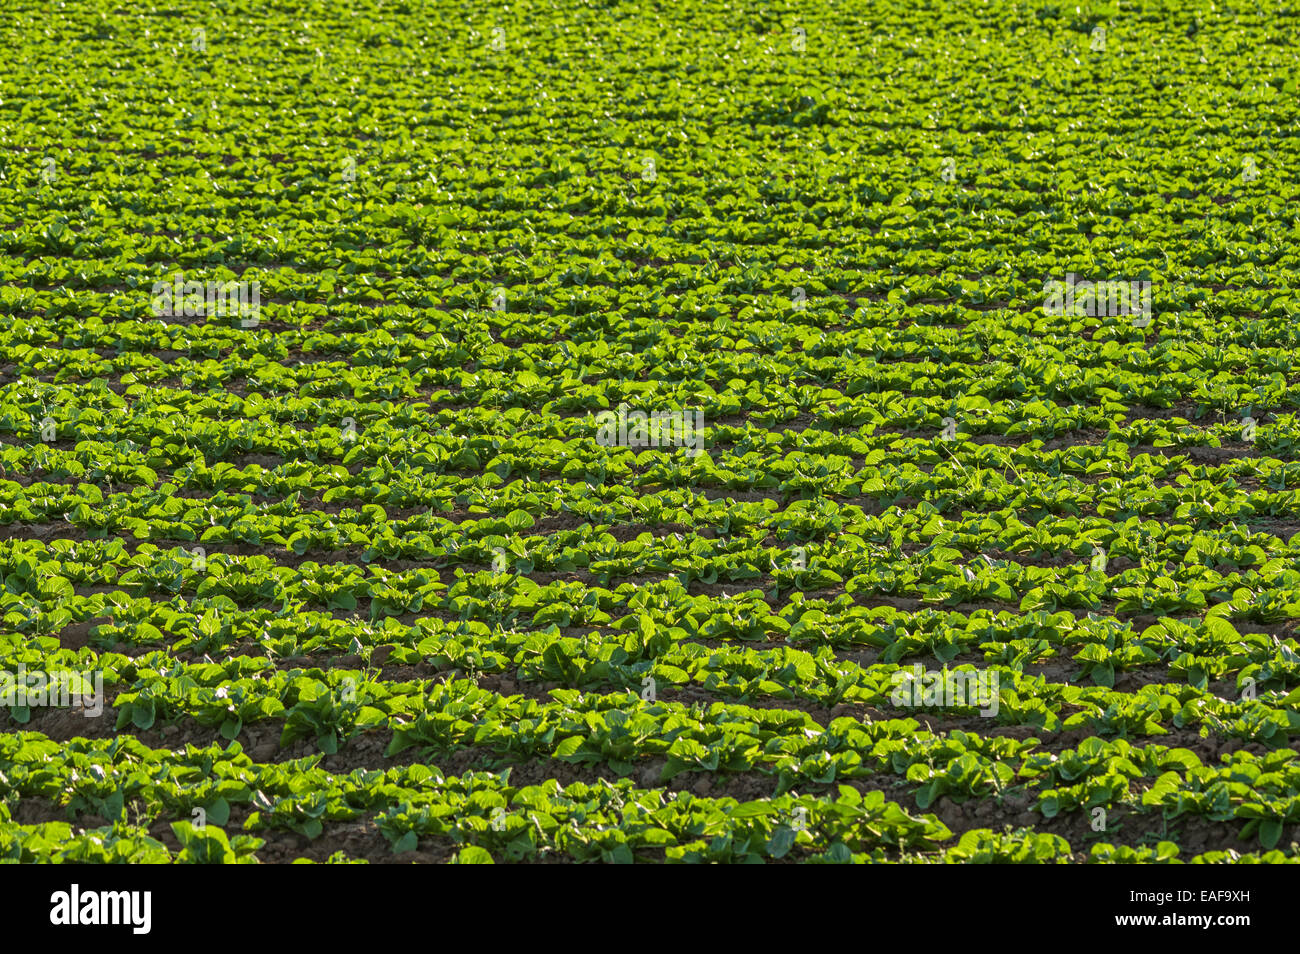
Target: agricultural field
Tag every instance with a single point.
(582, 431)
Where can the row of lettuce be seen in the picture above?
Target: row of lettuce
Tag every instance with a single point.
(160, 806)
(626, 734)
